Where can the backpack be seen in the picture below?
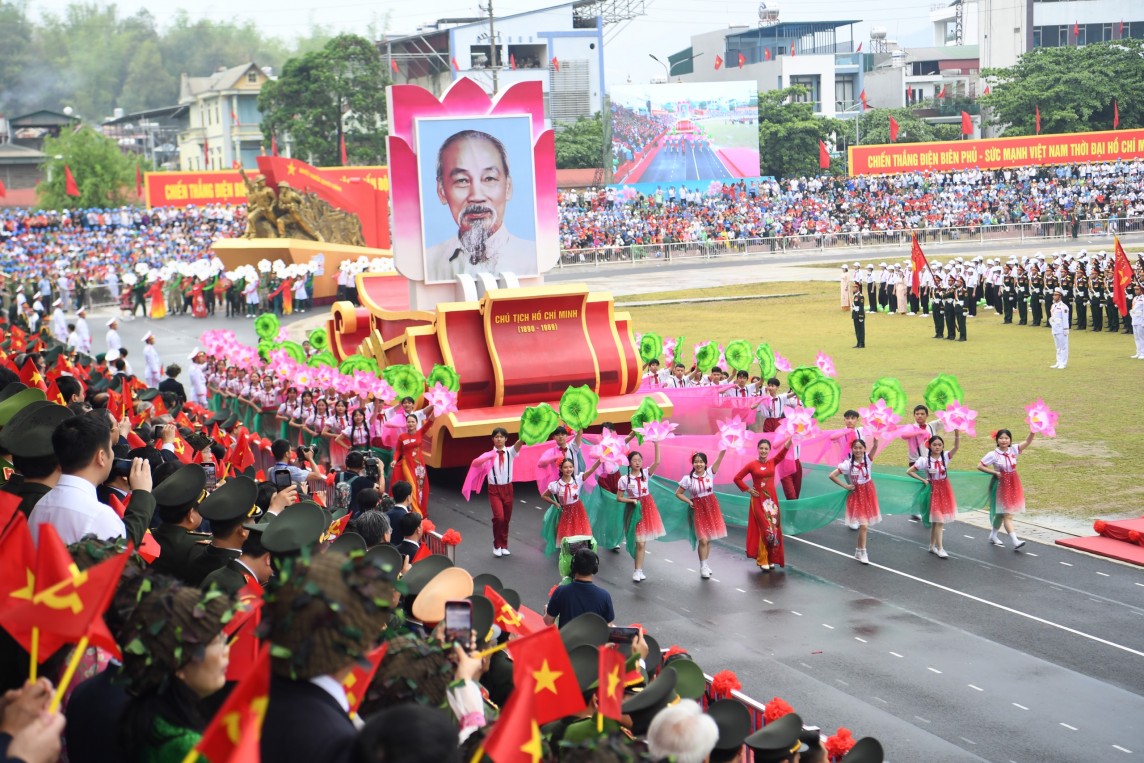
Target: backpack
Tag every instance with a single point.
(342, 492)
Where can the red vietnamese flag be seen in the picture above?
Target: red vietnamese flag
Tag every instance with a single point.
(456, 66)
(1121, 277)
(1037, 118)
(792, 50)
(986, 91)
(862, 97)
(516, 738)
(742, 60)
(70, 186)
(158, 406)
(1115, 114)
(422, 553)
(249, 734)
(361, 676)
(556, 63)
(718, 62)
(274, 145)
(234, 118)
(30, 375)
(138, 181)
(823, 156)
(504, 616)
(966, 123)
(610, 692)
(134, 440)
(149, 547)
(393, 65)
(917, 262)
(342, 148)
(541, 660)
(766, 54)
(183, 421)
(3, 190)
(117, 505)
(17, 553)
(53, 564)
(72, 609)
(533, 620)
(859, 48)
(942, 93)
(240, 456)
(1076, 32)
(512, 61)
(893, 130)
(242, 630)
(246, 700)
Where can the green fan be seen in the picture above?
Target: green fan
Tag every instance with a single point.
(648, 411)
(266, 326)
(801, 377)
(406, 380)
(319, 339)
(766, 358)
(357, 363)
(578, 407)
(651, 345)
(707, 357)
(890, 390)
(294, 351)
(444, 375)
(323, 358)
(824, 395)
(265, 347)
(942, 391)
(537, 422)
(739, 355)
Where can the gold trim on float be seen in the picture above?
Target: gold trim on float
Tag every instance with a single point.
(621, 355)
(442, 332)
(422, 316)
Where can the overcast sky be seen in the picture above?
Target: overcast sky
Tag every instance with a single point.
(665, 28)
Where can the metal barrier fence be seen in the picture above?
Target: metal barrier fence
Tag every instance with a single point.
(1058, 231)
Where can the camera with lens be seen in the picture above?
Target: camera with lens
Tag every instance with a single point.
(371, 468)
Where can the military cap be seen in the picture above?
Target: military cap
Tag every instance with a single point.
(733, 720)
(220, 416)
(29, 432)
(15, 398)
(586, 665)
(385, 555)
(655, 696)
(865, 750)
(482, 617)
(485, 579)
(511, 597)
(588, 628)
(691, 683)
(230, 422)
(231, 501)
(187, 486)
(261, 523)
(148, 394)
(348, 543)
(100, 357)
(423, 571)
(654, 655)
(778, 740)
(297, 527)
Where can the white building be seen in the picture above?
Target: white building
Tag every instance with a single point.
(777, 56)
(561, 46)
(219, 118)
(944, 20)
(1009, 28)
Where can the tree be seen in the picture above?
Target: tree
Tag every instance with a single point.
(874, 127)
(789, 133)
(1074, 87)
(580, 145)
(15, 34)
(147, 83)
(322, 95)
(105, 176)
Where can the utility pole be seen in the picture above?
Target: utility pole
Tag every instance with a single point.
(494, 61)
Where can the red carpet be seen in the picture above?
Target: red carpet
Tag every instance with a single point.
(1122, 540)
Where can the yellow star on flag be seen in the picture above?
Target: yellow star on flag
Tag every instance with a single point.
(545, 678)
(532, 747)
(613, 681)
(291, 169)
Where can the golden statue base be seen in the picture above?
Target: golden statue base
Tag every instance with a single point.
(249, 251)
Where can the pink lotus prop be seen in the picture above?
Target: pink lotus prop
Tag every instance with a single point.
(657, 431)
(958, 418)
(733, 435)
(825, 364)
(610, 450)
(443, 400)
(668, 351)
(383, 391)
(1041, 419)
(782, 364)
(879, 418)
(798, 425)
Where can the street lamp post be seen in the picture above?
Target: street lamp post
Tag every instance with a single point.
(668, 70)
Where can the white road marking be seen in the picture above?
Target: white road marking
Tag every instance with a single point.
(879, 699)
(1030, 553)
(715, 579)
(684, 609)
(740, 590)
(1070, 728)
(968, 536)
(839, 680)
(690, 570)
(934, 670)
(668, 561)
(806, 666)
(768, 601)
(1103, 574)
(1118, 747)
(1067, 564)
(859, 638)
(970, 741)
(1140, 584)
(896, 655)
(1021, 707)
(831, 627)
(796, 613)
(980, 600)
(975, 688)
(923, 720)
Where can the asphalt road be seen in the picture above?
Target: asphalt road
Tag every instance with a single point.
(990, 655)
(691, 164)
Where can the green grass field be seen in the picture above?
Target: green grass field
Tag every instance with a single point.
(728, 135)
(1091, 469)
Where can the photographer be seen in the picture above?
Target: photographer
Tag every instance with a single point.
(581, 595)
(362, 472)
(279, 449)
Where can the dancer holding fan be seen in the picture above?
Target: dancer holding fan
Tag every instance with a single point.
(764, 527)
(1008, 497)
(942, 505)
(697, 490)
(635, 488)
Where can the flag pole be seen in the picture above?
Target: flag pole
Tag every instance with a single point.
(35, 653)
(493, 650)
(480, 753)
(73, 663)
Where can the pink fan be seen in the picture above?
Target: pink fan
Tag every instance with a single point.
(958, 418)
(1041, 419)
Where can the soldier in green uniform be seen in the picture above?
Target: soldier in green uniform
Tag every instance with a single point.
(937, 310)
(1008, 294)
(1036, 295)
(858, 315)
(1096, 300)
(13, 399)
(251, 568)
(949, 301)
(28, 438)
(1110, 310)
(1129, 295)
(178, 498)
(227, 508)
(1081, 297)
(1022, 296)
(1050, 287)
(778, 741)
(734, 723)
(960, 295)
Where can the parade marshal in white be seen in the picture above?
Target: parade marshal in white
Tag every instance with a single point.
(473, 180)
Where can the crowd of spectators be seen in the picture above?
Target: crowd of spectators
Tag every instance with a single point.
(632, 131)
(854, 207)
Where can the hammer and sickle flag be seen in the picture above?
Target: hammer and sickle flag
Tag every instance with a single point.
(504, 615)
(71, 609)
(240, 717)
